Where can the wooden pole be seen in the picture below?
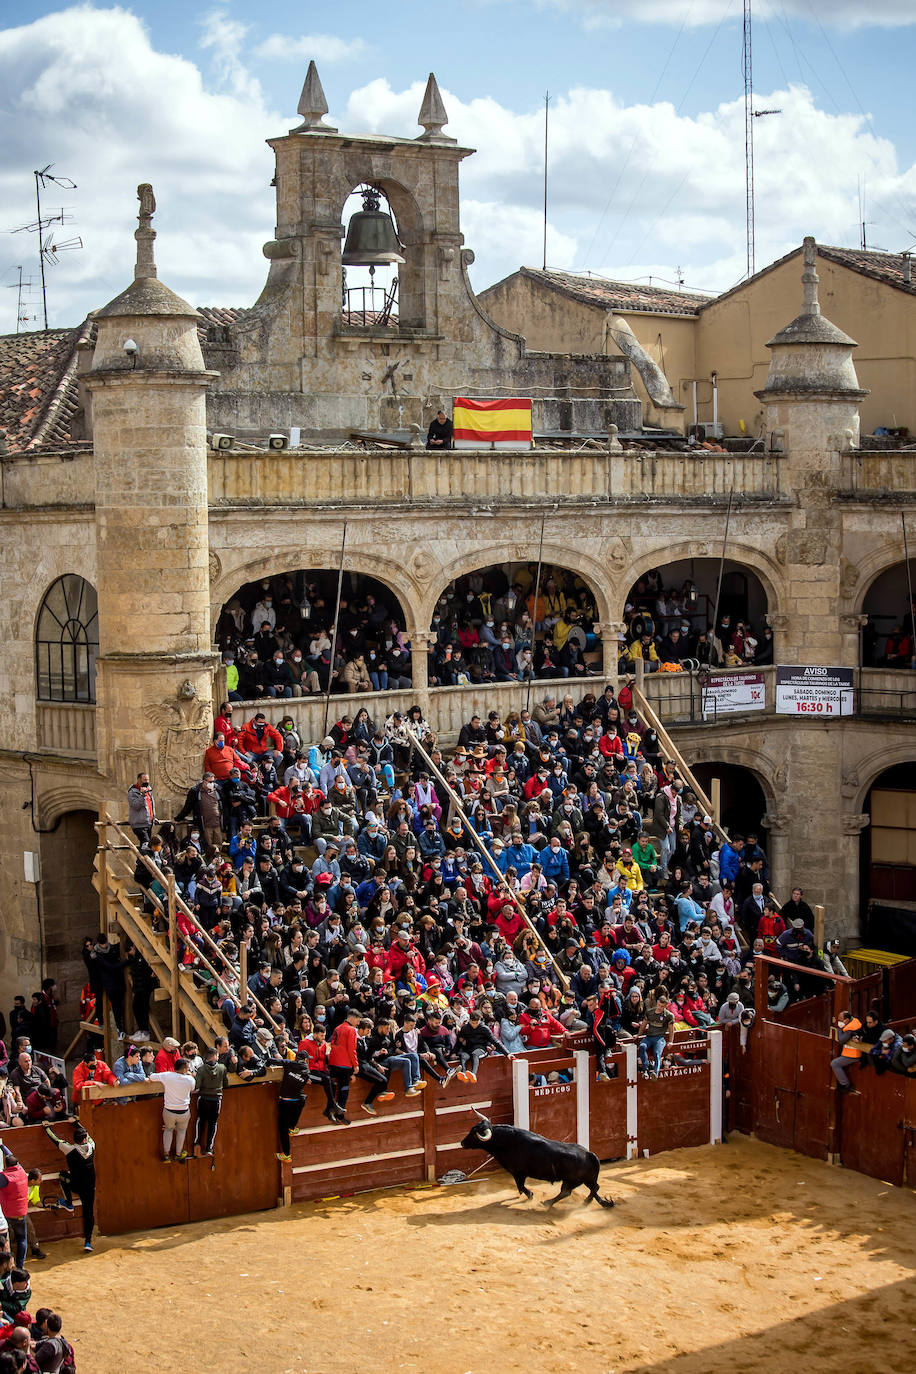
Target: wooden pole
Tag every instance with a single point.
(340, 572)
(715, 614)
(488, 858)
(715, 796)
(243, 973)
(819, 919)
(104, 1010)
(173, 953)
(534, 618)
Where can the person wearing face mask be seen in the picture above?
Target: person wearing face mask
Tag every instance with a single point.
(220, 758)
(505, 668)
(278, 678)
(264, 611)
(303, 678)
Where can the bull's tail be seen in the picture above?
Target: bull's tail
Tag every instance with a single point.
(592, 1183)
(603, 1201)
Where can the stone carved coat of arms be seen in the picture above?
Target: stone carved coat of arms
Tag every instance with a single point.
(186, 728)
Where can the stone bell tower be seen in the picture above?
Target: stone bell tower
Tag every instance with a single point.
(155, 669)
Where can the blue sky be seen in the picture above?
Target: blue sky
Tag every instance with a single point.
(646, 128)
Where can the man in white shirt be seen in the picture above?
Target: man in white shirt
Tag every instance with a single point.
(177, 1087)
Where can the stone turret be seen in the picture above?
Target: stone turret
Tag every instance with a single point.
(812, 393)
(155, 670)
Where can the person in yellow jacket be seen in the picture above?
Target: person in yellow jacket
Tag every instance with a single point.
(852, 1047)
(643, 648)
(630, 869)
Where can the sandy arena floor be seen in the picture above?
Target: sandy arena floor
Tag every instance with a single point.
(714, 1259)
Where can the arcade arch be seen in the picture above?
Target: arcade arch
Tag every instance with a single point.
(506, 604)
(743, 798)
(889, 621)
(684, 592)
(289, 611)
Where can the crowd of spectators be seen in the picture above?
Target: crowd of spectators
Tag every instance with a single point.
(604, 901)
(668, 628)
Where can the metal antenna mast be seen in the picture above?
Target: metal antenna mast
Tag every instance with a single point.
(546, 109)
(47, 248)
(748, 65)
(750, 114)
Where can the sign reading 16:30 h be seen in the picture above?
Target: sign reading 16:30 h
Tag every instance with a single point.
(814, 691)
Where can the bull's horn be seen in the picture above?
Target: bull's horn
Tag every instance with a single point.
(480, 1114)
(484, 1135)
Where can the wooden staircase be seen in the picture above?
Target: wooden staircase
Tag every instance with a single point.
(155, 935)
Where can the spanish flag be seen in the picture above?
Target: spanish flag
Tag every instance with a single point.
(488, 424)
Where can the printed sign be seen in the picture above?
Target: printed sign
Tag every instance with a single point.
(726, 693)
(814, 691)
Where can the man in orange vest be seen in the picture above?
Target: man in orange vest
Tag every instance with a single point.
(849, 1038)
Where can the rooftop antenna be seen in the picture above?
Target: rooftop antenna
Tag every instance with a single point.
(750, 114)
(546, 113)
(20, 286)
(47, 247)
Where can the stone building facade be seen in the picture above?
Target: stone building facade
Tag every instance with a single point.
(165, 529)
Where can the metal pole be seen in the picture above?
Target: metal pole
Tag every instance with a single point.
(546, 108)
(487, 856)
(909, 583)
(41, 255)
(327, 699)
(715, 614)
(534, 618)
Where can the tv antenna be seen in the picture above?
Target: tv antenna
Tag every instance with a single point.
(20, 286)
(750, 114)
(49, 245)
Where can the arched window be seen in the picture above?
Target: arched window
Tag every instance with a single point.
(67, 641)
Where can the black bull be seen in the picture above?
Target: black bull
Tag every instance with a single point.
(525, 1155)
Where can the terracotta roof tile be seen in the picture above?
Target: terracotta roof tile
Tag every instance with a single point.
(38, 388)
(620, 295)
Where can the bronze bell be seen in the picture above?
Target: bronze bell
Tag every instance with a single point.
(371, 238)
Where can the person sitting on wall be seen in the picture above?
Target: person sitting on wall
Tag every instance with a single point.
(439, 434)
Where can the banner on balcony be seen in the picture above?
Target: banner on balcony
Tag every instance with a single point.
(504, 424)
(814, 691)
(728, 693)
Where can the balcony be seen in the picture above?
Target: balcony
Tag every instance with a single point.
(296, 478)
(66, 727)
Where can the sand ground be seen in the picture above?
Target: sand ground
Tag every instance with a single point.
(739, 1257)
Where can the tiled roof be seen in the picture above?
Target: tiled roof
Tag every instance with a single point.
(619, 295)
(215, 320)
(886, 267)
(38, 389)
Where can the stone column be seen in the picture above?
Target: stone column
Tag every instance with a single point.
(608, 631)
(851, 627)
(420, 641)
(156, 663)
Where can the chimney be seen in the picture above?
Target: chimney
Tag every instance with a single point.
(907, 269)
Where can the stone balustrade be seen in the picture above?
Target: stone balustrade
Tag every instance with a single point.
(66, 727)
(884, 472)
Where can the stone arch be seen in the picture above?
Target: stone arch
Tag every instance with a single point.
(881, 560)
(391, 574)
(764, 769)
(411, 306)
(764, 567)
(567, 557)
(874, 765)
(54, 802)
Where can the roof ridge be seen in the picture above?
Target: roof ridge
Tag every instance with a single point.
(59, 396)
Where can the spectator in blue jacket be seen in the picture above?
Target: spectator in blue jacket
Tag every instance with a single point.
(730, 858)
(519, 855)
(554, 862)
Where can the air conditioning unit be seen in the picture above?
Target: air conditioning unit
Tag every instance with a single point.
(277, 441)
(710, 429)
(221, 442)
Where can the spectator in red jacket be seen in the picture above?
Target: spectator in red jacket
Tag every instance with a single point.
(221, 758)
(769, 928)
(403, 954)
(168, 1056)
(91, 1069)
(539, 1028)
(223, 725)
(260, 739)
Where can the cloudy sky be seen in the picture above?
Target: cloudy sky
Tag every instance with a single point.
(646, 130)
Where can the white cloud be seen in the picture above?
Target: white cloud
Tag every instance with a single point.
(320, 47)
(634, 189)
(848, 14)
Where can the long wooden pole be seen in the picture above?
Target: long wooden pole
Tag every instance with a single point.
(534, 618)
(909, 583)
(334, 635)
(715, 614)
(487, 856)
(174, 991)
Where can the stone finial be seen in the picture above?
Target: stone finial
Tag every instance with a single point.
(810, 279)
(313, 105)
(433, 114)
(145, 234)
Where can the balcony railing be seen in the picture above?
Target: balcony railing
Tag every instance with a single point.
(66, 727)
